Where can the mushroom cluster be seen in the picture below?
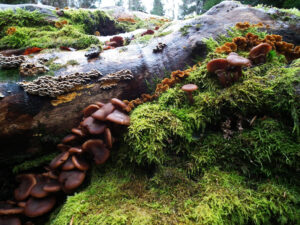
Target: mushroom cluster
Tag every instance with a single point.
(55, 86)
(228, 70)
(176, 76)
(90, 142)
(250, 40)
(112, 79)
(8, 62)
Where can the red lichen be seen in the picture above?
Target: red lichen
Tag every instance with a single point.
(148, 32)
(32, 50)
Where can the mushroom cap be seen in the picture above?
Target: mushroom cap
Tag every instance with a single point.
(217, 64)
(68, 165)
(69, 138)
(90, 110)
(27, 182)
(37, 191)
(50, 174)
(259, 50)
(93, 126)
(52, 186)
(118, 103)
(80, 163)
(189, 87)
(78, 132)
(97, 149)
(10, 221)
(39, 206)
(59, 160)
(71, 179)
(63, 147)
(103, 112)
(9, 209)
(236, 60)
(108, 138)
(100, 104)
(119, 117)
(75, 150)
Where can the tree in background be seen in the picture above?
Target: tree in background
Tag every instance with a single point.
(120, 3)
(136, 5)
(158, 8)
(190, 7)
(18, 1)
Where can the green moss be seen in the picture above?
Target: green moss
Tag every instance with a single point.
(169, 197)
(20, 18)
(48, 37)
(185, 30)
(32, 164)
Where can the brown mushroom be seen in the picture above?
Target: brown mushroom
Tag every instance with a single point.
(69, 138)
(189, 89)
(63, 147)
(80, 163)
(75, 150)
(118, 103)
(68, 165)
(93, 126)
(39, 206)
(70, 180)
(10, 209)
(219, 67)
(78, 132)
(108, 138)
(100, 104)
(236, 63)
(119, 117)
(88, 111)
(10, 221)
(103, 112)
(59, 160)
(258, 54)
(97, 149)
(27, 182)
(37, 191)
(52, 186)
(50, 174)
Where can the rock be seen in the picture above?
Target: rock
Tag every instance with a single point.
(93, 52)
(1, 95)
(21, 112)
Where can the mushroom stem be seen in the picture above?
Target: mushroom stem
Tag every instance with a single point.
(190, 97)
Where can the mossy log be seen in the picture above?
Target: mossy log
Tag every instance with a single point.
(21, 113)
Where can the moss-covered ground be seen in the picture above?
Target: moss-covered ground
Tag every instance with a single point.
(174, 166)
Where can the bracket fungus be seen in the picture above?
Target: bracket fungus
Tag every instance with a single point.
(189, 89)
